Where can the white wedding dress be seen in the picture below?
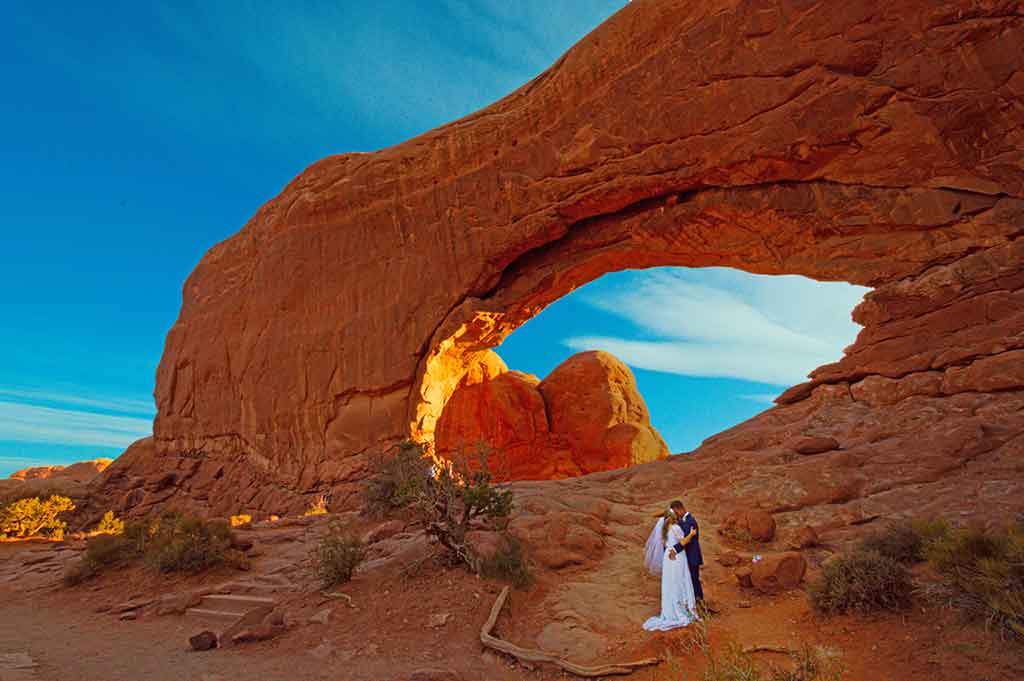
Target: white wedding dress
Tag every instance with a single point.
(678, 604)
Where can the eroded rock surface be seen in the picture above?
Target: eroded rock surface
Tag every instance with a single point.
(878, 143)
(585, 416)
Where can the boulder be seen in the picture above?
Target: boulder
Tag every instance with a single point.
(778, 571)
(749, 525)
(586, 416)
(205, 640)
(744, 576)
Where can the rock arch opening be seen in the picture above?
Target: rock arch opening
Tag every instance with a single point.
(721, 342)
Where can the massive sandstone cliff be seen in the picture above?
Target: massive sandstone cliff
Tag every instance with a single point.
(874, 142)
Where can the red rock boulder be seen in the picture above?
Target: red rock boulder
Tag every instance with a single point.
(749, 525)
(586, 416)
(777, 572)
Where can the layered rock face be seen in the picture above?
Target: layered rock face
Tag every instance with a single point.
(873, 142)
(586, 416)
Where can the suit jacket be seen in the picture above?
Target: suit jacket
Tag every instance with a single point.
(692, 549)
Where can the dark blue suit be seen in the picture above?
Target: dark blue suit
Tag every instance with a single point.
(694, 557)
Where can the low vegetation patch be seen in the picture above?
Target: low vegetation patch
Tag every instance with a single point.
(336, 557)
(241, 520)
(171, 542)
(862, 582)
(399, 479)
(35, 517)
(318, 507)
(508, 564)
(808, 663)
(110, 524)
(905, 542)
(983, 571)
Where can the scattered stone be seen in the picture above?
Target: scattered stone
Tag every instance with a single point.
(132, 605)
(752, 525)
(321, 617)
(128, 616)
(438, 620)
(177, 604)
(206, 640)
(261, 632)
(249, 620)
(779, 571)
(814, 445)
(744, 576)
(743, 604)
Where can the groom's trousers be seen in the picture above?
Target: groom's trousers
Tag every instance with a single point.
(698, 591)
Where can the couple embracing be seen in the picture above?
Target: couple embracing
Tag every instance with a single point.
(673, 551)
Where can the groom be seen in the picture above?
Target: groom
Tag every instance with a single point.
(692, 549)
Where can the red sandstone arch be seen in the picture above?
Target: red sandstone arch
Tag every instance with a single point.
(873, 142)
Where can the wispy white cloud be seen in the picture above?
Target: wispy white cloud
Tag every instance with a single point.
(20, 422)
(123, 405)
(729, 324)
(765, 398)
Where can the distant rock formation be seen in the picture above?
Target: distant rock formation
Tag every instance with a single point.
(586, 416)
(71, 481)
(880, 145)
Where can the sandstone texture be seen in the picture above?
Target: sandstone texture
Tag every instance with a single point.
(873, 142)
(586, 416)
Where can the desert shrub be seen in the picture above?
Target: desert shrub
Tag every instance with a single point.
(459, 496)
(862, 582)
(336, 557)
(899, 542)
(508, 564)
(318, 507)
(398, 478)
(188, 544)
(33, 516)
(171, 542)
(110, 524)
(984, 574)
(242, 519)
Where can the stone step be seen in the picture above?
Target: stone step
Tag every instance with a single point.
(237, 603)
(208, 614)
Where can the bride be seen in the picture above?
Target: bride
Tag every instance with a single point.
(678, 605)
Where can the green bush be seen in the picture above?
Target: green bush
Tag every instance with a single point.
(336, 557)
(33, 516)
(398, 479)
(862, 582)
(984, 574)
(188, 544)
(508, 564)
(168, 543)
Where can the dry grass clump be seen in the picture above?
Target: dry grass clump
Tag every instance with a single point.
(509, 564)
(240, 520)
(862, 582)
(110, 524)
(35, 517)
(337, 556)
(318, 507)
(983, 570)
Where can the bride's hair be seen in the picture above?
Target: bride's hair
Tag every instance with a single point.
(670, 519)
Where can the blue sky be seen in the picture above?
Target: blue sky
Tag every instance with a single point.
(137, 135)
